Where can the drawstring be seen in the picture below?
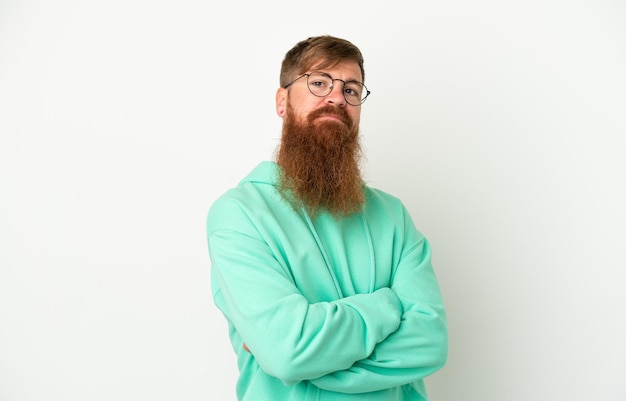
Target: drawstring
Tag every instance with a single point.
(370, 243)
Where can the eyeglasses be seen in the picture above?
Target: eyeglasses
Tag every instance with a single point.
(321, 84)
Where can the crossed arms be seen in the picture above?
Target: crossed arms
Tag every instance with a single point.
(365, 342)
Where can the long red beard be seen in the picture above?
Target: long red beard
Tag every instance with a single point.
(320, 163)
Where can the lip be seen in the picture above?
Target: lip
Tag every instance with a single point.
(334, 117)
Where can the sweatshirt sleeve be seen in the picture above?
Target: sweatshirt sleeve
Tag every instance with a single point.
(290, 338)
(420, 345)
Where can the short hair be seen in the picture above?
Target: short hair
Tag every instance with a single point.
(321, 52)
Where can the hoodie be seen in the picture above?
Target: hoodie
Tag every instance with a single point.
(328, 309)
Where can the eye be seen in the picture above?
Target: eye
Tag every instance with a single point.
(320, 84)
(320, 81)
(353, 89)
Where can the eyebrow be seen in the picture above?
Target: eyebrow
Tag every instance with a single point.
(346, 80)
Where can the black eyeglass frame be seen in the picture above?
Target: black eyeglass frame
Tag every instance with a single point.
(307, 75)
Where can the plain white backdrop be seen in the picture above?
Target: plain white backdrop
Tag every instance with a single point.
(500, 124)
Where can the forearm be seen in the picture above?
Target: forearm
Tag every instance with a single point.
(295, 341)
(417, 349)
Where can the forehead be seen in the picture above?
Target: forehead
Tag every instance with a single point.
(346, 70)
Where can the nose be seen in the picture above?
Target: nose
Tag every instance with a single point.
(336, 95)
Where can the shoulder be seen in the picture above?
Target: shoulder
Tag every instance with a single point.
(380, 200)
(255, 198)
(258, 183)
(389, 210)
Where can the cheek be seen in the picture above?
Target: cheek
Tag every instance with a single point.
(298, 103)
(356, 117)
(302, 107)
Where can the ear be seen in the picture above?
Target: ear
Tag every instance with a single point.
(281, 102)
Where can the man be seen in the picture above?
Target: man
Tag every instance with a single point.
(326, 284)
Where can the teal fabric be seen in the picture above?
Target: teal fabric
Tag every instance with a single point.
(331, 310)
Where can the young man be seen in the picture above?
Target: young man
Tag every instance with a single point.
(326, 284)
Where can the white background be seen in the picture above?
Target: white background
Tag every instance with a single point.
(500, 124)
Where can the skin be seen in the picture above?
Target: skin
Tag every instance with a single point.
(303, 101)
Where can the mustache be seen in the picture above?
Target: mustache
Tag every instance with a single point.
(332, 110)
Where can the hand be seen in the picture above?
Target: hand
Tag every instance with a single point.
(246, 347)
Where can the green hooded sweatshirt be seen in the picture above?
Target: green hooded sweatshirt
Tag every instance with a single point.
(329, 309)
